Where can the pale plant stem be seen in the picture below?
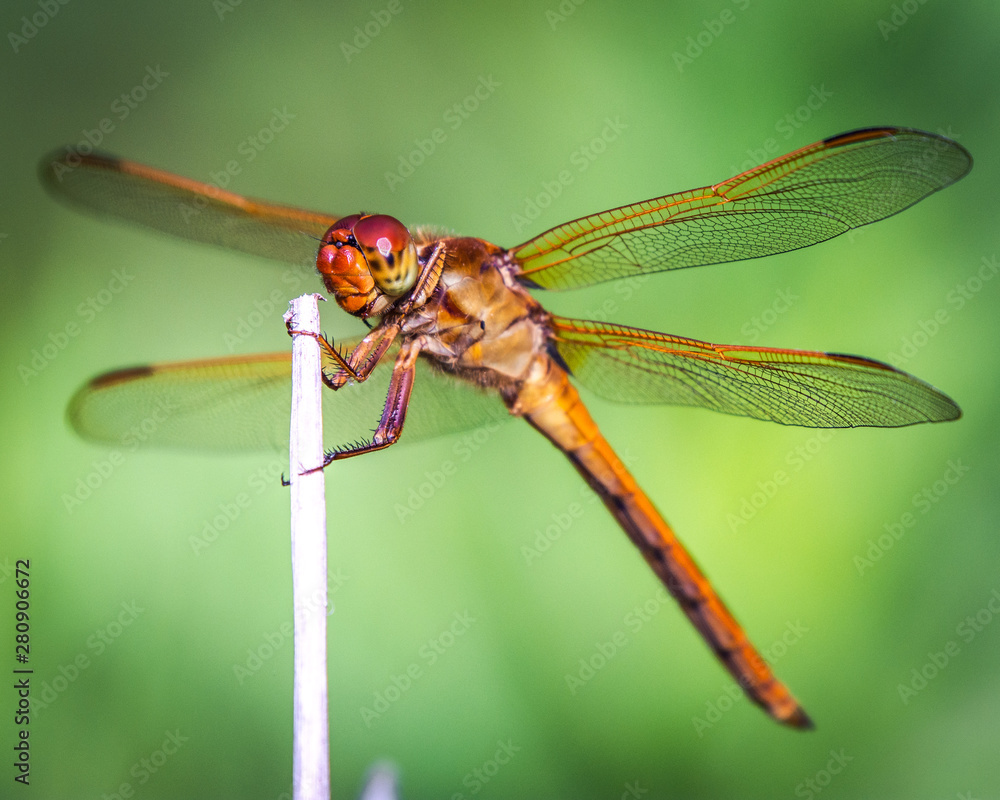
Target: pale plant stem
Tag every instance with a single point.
(311, 748)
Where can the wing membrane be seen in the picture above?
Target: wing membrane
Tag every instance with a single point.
(792, 387)
(185, 208)
(243, 403)
(797, 200)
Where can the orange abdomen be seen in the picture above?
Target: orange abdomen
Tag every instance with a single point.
(551, 404)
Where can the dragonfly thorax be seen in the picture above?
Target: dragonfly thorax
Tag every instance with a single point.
(367, 261)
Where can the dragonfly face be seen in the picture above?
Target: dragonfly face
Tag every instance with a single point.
(366, 261)
(461, 306)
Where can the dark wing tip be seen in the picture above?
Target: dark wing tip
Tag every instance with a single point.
(76, 411)
(943, 409)
(119, 376)
(55, 165)
(891, 131)
(799, 720)
(860, 134)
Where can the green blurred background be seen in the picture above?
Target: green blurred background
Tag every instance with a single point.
(852, 632)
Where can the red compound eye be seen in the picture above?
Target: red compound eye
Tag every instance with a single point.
(381, 232)
(389, 250)
(346, 222)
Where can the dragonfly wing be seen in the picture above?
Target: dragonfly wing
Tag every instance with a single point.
(797, 200)
(186, 208)
(792, 387)
(243, 404)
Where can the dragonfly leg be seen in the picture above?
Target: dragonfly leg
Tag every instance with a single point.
(394, 414)
(359, 363)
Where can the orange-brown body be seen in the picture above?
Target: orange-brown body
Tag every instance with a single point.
(479, 323)
(462, 306)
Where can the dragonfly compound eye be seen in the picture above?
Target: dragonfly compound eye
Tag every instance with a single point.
(389, 250)
(344, 269)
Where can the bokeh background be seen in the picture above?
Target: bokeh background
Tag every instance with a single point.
(143, 638)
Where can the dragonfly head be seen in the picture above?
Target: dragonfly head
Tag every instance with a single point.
(367, 261)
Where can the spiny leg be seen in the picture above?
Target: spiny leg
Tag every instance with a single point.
(394, 414)
(360, 362)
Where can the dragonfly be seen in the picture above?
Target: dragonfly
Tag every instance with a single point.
(444, 310)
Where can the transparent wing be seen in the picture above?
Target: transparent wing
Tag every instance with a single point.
(185, 208)
(792, 387)
(797, 200)
(243, 403)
